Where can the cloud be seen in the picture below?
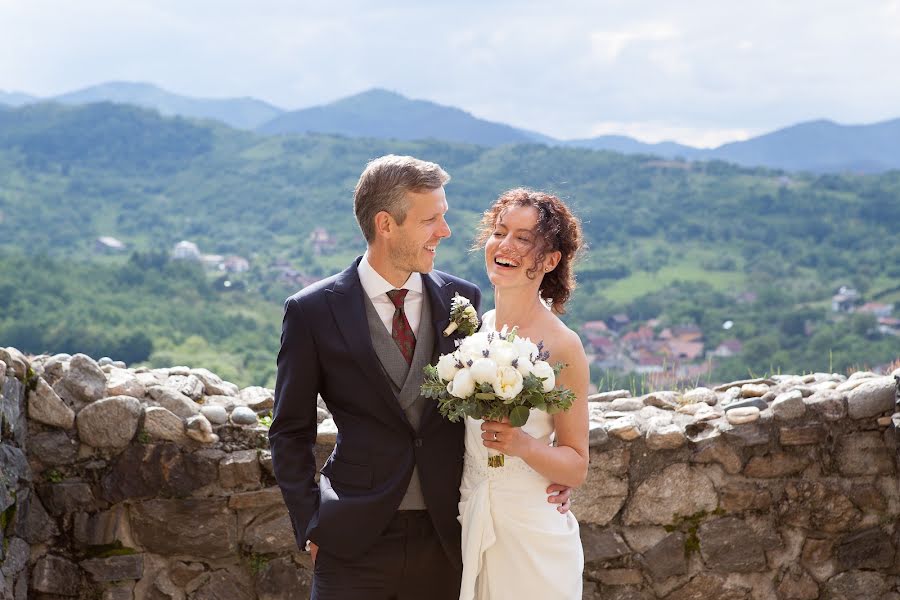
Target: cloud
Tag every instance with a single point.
(608, 45)
(653, 132)
(694, 71)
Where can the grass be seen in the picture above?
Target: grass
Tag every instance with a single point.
(643, 282)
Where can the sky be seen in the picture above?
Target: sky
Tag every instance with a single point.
(702, 72)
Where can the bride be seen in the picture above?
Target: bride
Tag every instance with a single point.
(514, 544)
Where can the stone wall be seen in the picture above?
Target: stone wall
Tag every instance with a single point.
(157, 484)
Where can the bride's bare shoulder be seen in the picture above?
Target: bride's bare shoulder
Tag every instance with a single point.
(567, 343)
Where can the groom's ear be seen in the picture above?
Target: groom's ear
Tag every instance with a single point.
(384, 224)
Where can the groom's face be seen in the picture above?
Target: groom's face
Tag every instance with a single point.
(414, 247)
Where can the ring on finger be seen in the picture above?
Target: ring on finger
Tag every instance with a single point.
(495, 436)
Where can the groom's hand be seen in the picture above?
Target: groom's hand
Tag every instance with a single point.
(560, 494)
(313, 551)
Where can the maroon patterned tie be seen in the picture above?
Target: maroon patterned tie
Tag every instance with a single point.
(400, 329)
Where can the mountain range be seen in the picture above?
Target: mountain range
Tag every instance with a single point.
(817, 146)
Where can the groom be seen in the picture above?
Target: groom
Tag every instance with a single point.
(381, 522)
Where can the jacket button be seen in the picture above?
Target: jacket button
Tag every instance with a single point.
(418, 442)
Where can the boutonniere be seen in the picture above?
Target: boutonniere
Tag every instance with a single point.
(463, 316)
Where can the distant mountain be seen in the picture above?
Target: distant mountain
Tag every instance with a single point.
(379, 113)
(16, 98)
(241, 113)
(819, 146)
(627, 145)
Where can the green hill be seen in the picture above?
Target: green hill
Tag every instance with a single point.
(666, 239)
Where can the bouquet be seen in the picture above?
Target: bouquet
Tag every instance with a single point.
(495, 375)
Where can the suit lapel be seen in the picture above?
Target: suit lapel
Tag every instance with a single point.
(348, 307)
(438, 293)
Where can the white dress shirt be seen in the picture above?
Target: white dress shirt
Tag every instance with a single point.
(376, 288)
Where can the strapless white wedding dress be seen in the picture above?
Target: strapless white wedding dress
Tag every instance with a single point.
(515, 544)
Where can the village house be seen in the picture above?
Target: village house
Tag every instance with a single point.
(878, 309)
(185, 250)
(322, 242)
(108, 245)
(845, 300)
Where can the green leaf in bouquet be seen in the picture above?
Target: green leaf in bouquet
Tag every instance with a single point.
(485, 395)
(518, 416)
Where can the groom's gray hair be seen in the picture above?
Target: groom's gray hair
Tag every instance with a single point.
(383, 186)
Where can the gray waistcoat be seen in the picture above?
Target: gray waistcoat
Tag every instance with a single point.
(405, 379)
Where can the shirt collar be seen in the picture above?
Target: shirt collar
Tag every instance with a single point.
(376, 285)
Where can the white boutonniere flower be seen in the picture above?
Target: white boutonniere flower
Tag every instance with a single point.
(463, 316)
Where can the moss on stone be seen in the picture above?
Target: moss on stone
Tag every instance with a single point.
(108, 550)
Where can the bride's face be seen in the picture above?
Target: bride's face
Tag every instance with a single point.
(511, 247)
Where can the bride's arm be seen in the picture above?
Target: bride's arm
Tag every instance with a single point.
(567, 462)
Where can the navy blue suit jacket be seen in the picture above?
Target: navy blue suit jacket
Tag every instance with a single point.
(326, 349)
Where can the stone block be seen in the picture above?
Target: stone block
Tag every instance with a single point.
(774, 465)
(829, 405)
(150, 470)
(802, 435)
(109, 423)
(239, 469)
(728, 545)
(796, 584)
(83, 382)
(199, 527)
(223, 585)
(115, 568)
(270, 533)
(66, 497)
(789, 405)
(174, 401)
(265, 498)
(601, 545)
(668, 558)
(53, 448)
(707, 586)
(738, 497)
(867, 549)
(872, 397)
(102, 528)
(162, 424)
(282, 579)
(864, 453)
(56, 575)
(856, 585)
(678, 490)
(818, 506)
(45, 406)
(716, 450)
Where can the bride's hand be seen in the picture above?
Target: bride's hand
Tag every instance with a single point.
(505, 438)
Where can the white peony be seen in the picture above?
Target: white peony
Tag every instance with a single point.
(446, 366)
(484, 370)
(508, 383)
(474, 346)
(527, 349)
(503, 352)
(462, 385)
(524, 366)
(545, 372)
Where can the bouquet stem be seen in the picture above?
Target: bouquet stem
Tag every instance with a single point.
(495, 459)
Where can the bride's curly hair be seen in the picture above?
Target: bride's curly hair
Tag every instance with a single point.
(557, 229)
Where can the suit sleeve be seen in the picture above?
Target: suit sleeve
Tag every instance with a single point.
(293, 431)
